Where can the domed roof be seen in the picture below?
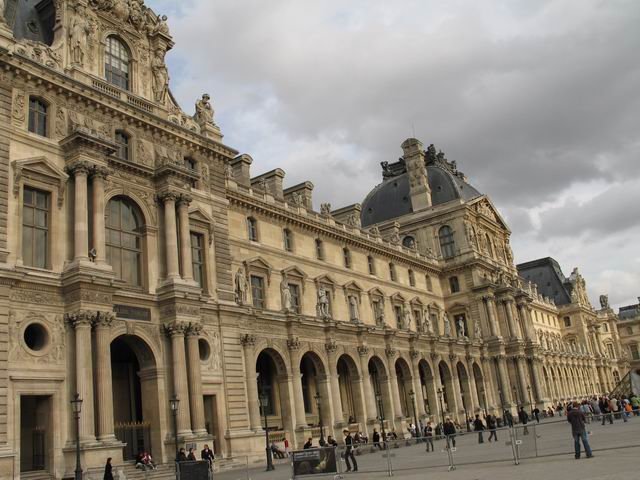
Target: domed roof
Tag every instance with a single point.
(392, 199)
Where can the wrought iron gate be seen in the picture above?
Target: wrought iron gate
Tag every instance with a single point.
(136, 436)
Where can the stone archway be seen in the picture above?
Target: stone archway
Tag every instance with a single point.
(136, 399)
(273, 390)
(351, 396)
(316, 393)
(448, 389)
(428, 385)
(404, 386)
(380, 387)
(481, 392)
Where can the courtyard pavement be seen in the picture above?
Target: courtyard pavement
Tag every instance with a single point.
(546, 453)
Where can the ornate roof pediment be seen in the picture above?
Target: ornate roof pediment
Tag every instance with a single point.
(484, 207)
(41, 169)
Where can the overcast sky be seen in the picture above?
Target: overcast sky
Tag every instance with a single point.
(537, 101)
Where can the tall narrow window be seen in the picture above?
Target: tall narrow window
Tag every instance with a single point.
(122, 141)
(392, 272)
(38, 112)
(429, 283)
(295, 297)
(197, 257)
(124, 227)
(412, 278)
(252, 229)
(257, 291)
(633, 348)
(447, 243)
(287, 240)
(35, 228)
(372, 265)
(567, 321)
(319, 249)
(347, 257)
(397, 309)
(191, 165)
(116, 63)
(454, 284)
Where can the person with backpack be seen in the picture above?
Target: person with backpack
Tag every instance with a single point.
(478, 426)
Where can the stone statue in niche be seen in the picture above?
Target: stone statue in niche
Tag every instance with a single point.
(426, 325)
(2, 19)
(204, 111)
(407, 319)
(447, 325)
(241, 287)
(286, 294)
(462, 331)
(79, 36)
(323, 303)
(160, 76)
(478, 331)
(354, 311)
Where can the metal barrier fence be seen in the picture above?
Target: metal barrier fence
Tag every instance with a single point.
(516, 444)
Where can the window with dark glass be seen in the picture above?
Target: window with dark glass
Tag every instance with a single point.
(38, 112)
(319, 249)
(295, 297)
(567, 321)
(197, 257)
(429, 283)
(392, 272)
(454, 284)
(347, 257)
(372, 265)
(257, 291)
(192, 165)
(252, 228)
(124, 230)
(447, 243)
(397, 309)
(117, 63)
(35, 228)
(635, 354)
(287, 238)
(122, 141)
(412, 278)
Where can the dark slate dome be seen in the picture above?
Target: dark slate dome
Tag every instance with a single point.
(391, 199)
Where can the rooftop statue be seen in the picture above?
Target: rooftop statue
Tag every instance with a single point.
(204, 111)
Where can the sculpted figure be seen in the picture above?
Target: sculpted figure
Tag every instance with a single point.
(426, 325)
(447, 326)
(604, 301)
(461, 329)
(407, 319)
(325, 209)
(354, 311)
(204, 111)
(161, 25)
(79, 36)
(2, 19)
(286, 294)
(478, 331)
(323, 303)
(121, 9)
(160, 76)
(241, 287)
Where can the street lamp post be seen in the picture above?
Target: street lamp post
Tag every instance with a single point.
(76, 405)
(515, 395)
(412, 394)
(531, 404)
(381, 410)
(264, 402)
(502, 404)
(174, 403)
(440, 399)
(317, 398)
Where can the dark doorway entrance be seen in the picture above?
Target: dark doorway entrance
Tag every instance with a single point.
(130, 425)
(35, 433)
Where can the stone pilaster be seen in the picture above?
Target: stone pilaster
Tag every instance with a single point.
(248, 343)
(369, 394)
(176, 332)
(104, 390)
(80, 171)
(185, 237)
(489, 302)
(392, 380)
(417, 385)
(170, 235)
(334, 382)
(505, 385)
(521, 362)
(296, 384)
(98, 176)
(196, 401)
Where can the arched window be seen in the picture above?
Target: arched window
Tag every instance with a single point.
(117, 63)
(409, 242)
(38, 111)
(123, 142)
(447, 243)
(124, 229)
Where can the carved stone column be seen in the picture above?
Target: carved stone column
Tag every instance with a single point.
(298, 398)
(493, 322)
(392, 379)
(104, 389)
(369, 394)
(99, 175)
(522, 378)
(417, 384)
(474, 396)
(505, 385)
(334, 383)
(176, 332)
(170, 235)
(513, 331)
(82, 321)
(80, 171)
(249, 342)
(185, 236)
(538, 385)
(196, 401)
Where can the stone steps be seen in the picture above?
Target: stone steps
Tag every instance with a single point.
(37, 475)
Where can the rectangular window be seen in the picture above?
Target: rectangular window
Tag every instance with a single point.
(257, 291)
(122, 141)
(295, 297)
(429, 283)
(377, 309)
(412, 278)
(35, 228)
(611, 351)
(197, 258)
(392, 272)
(287, 238)
(38, 116)
(372, 265)
(347, 257)
(418, 318)
(454, 284)
(319, 249)
(635, 355)
(567, 321)
(397, 309)
(252, 228)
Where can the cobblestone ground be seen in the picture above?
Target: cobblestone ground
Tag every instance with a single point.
(545, 453)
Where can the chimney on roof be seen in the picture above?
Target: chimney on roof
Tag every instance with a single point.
(414, 159)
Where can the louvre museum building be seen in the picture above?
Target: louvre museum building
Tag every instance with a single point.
(148, 272)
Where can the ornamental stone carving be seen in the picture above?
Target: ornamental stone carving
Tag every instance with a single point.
(363, 350)
(240, 282)
(204, 111)
(323, 303)
(325, 209)
(331, 346)
(285, 292)
(79, 33)
(248, 340)
(160, 76)
(293, 344)
(53, 325)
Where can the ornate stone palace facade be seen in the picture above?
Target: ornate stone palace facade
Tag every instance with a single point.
(139, 259)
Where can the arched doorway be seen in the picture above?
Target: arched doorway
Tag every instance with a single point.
(404, 386)
(481, 391)
(448, 394)
(350, 392)
(315, 391)
(136, 409)
(465, 389)
(380, 387)
(427, 383)
(273, 388)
